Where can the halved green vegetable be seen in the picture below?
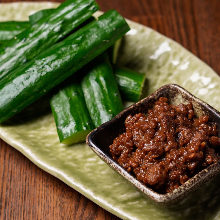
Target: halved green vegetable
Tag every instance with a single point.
(71, 115)
(9, 29)
(45, 33)
(101, 92)
(130, 83)
(29, 82)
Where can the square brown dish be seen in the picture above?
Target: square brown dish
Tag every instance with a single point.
(102, 137)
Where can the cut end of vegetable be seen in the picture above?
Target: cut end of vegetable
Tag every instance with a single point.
(78, 137)
(114, 50)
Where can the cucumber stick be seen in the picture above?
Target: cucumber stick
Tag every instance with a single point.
(45, 33)
(101, 92)
(130, 83)
(71, 115)
(9, 29)
(26, 84)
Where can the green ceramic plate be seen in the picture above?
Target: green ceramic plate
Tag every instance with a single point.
(145, 50)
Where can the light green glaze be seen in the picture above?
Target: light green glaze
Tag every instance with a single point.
(145, 50)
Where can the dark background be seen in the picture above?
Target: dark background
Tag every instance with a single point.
(26, 192)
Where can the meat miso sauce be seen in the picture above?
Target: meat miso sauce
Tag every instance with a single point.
(167, 146)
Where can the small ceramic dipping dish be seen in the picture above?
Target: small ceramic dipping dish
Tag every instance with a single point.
(102, 137)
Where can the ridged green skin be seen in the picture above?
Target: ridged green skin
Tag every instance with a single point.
(45, 33)
(101, 92)
(34, 18)
(71, 115)
(29, 82)
(9, 29)
(130, 83)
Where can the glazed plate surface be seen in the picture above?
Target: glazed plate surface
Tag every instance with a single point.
(163, 61)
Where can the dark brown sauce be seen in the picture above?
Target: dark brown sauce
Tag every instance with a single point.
(166, 147)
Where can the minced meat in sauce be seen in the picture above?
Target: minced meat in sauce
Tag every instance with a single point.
(166, 147)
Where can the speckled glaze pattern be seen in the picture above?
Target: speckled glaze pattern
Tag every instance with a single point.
(145, 50)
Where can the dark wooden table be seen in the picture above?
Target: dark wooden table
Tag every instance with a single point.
(26, 192)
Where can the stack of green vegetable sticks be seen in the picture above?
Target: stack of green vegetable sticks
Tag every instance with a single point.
(61, 43)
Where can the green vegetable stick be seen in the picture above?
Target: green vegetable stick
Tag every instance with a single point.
(45, 33)
(71, 115)
(25, 85)
(101, 92)
(130, 83)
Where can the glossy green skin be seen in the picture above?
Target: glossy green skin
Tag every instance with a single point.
(101, 92)
(12, 26)
(130, 83)
(9, 29)
(29, 82)
(71, 115)
(34, 18)
(45, 33)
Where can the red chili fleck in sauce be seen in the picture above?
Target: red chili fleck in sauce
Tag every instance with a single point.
(166, 147)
